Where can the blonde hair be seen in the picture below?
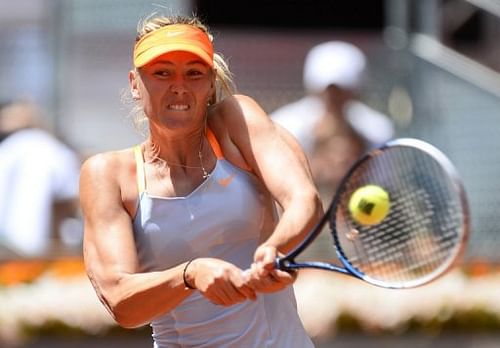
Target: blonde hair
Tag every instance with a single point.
(224, 85)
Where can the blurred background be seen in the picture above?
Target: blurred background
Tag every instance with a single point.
(433, 70)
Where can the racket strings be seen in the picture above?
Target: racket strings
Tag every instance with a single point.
(420, 232)
(390, 245)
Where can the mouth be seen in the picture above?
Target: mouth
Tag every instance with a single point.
(178, 107)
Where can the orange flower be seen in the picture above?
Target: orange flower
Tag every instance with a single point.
(14, 272)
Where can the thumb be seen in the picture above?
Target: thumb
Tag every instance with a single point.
(266, 256)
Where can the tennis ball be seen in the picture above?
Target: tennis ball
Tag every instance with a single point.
(369, 205)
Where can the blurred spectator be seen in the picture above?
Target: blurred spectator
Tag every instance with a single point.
(335, 128)
(38, 181)
(330, 123)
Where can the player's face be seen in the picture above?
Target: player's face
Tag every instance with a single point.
(175, 89)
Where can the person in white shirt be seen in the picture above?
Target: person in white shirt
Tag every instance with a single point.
(332, 125)
(334, 128)
(38, 182)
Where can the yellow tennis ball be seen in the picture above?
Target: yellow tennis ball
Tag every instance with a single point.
(369, 205)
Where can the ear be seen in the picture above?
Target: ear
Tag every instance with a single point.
(213, 78)
(212, 96)
(133, 84)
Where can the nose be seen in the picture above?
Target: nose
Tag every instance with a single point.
(178, 87)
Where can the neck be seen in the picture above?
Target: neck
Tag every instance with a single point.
(190, 151)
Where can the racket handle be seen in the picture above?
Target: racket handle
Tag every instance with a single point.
(279, 263)
(282, 264)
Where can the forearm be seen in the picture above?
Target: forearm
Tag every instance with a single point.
(136, 299)
(299, 216)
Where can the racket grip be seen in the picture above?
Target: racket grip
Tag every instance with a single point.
(282, 264)
(279, 263)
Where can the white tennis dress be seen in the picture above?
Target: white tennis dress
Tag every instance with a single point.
(222, 218)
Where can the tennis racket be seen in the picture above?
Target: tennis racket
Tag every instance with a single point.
(422, 235)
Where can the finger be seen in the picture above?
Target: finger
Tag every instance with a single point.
(229, 296)
(264, 284)
(263, 269)
(284, 276)
(252, 272)
(248, 292)
(268, 257)
(241, 284)
(222, 293)
(250, 275)
(246, 275)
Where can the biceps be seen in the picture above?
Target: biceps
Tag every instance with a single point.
(294, 145)
(283, 166)
(109, 250)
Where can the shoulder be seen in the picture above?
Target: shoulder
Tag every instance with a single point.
(107, 185)
(108, 180)
(237, 111)
(107, 166)
(102, 161)
(239, 104)
(235, 121)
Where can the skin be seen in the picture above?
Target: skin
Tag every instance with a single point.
(337, 144)
(174, 90)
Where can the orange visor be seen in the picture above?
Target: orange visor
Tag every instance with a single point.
(173, 37)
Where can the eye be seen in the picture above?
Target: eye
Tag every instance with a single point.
(195, 73)
(162, 73)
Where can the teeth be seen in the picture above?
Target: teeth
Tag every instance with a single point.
(178, 107)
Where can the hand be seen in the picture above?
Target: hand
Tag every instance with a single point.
(263, 276)
(219, 281)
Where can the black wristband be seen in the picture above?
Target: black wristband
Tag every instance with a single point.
(186, 284)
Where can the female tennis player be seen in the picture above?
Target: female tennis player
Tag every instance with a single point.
(171, 223)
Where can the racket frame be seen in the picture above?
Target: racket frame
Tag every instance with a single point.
(288, 262)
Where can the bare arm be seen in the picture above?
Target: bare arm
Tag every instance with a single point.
(275, 156)
(294, 145)
(134, 298)
(278, 160)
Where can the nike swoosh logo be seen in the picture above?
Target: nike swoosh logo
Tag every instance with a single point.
(226, 181)
(173, 33)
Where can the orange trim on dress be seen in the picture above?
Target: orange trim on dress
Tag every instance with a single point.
(139, 165)
(214, 143)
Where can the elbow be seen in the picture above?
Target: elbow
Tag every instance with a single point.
(127, 321)
(120, 309)
(308, 204)
(123, 315)
(314, 203)
(317, 211)
(318, 208)
(116, 292)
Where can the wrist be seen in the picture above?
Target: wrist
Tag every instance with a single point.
(269, 247)
(186, 276)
